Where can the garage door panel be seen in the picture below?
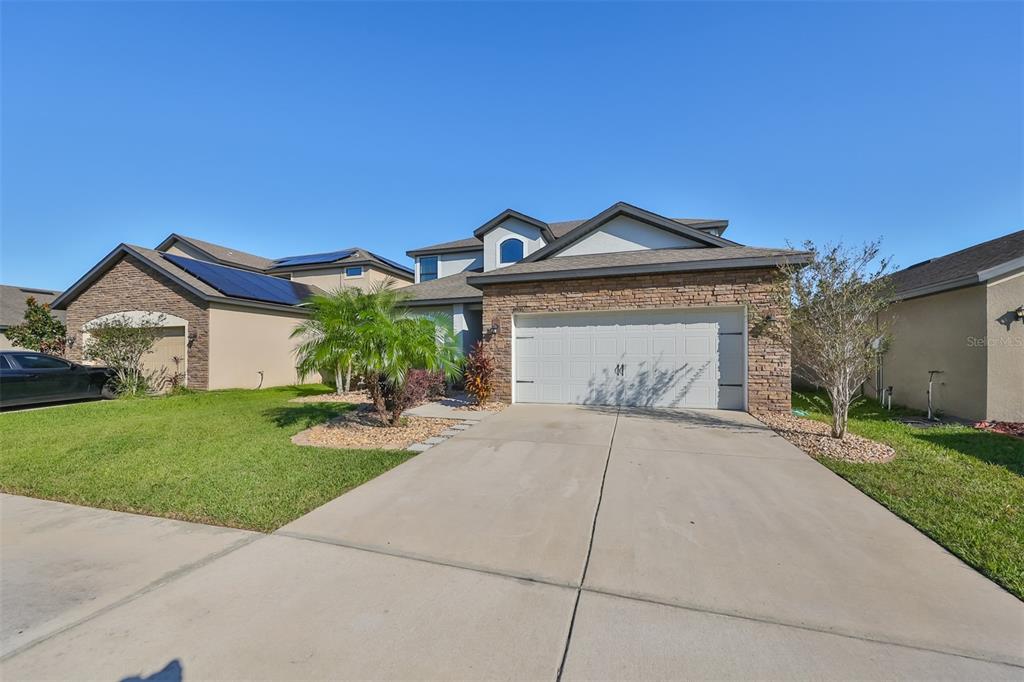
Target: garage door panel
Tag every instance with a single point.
(606, 345)
(550, 347)
(580, 370)
(671, 358)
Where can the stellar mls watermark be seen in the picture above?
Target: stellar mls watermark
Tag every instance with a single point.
(988, 341)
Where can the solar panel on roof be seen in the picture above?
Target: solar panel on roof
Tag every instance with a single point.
(242, 283)
(313, 258)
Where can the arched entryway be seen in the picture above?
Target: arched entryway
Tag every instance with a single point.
(169, 354)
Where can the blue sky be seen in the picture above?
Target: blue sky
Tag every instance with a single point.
(290, 128)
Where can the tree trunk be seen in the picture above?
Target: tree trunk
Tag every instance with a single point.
(373, 386)
(840, 412)
(337, 380)
(348, 376)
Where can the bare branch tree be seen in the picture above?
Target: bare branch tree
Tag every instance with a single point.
(837, 332)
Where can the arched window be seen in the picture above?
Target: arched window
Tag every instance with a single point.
(510, 251)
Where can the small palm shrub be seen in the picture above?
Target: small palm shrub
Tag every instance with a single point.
(479, 373)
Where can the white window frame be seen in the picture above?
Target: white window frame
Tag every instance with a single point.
(362, 272)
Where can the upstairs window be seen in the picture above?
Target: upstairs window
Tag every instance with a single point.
(354, 271)
(428, 268)
(510, 251)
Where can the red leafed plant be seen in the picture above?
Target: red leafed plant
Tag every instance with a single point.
(479, 373)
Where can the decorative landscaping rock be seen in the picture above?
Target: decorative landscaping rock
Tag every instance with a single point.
(359, 429)
(814, 438)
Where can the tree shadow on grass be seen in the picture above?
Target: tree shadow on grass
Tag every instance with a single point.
(305, 414)
(303, 390)
(993, 448)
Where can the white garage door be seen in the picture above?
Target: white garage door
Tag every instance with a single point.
(654, 358)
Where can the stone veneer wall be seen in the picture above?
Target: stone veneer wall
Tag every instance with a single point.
(133, 285)
(768, 355)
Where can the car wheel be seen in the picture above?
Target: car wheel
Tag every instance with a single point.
(108, 392)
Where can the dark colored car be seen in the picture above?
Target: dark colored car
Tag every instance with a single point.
(27, 377)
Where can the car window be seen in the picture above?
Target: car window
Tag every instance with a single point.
(4, 363)
(32, 361)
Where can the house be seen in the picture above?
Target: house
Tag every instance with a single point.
(626, 308)
(226, 316)
(961, 314)
(12, 307)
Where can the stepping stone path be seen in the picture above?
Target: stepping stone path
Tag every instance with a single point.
(455, 430)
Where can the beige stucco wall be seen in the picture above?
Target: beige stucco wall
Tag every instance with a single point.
(936, 332)
(1005, 345)
(330, 279)
(244, 341)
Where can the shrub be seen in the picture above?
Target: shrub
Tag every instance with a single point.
(419, 386)
(40, 330)
(119, 343)
(479, 373)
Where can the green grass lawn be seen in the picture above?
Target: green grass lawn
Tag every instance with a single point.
(962, 487)
(221, 457)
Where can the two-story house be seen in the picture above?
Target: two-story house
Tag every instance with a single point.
(626, 308)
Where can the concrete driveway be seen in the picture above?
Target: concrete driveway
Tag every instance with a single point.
(567, 542)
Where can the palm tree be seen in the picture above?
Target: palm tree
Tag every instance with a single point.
(377, 334)
(392, 341)
(329, 336)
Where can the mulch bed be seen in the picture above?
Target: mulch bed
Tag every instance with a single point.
(361, 429)
(814, 438)
(486, 407)
(353, 397)
(1015, 429)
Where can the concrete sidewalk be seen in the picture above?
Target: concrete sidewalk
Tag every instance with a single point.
(550, 542)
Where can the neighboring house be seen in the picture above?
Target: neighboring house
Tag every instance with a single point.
(626, 308)
(961, 314)
(12, 307)
(227, 315)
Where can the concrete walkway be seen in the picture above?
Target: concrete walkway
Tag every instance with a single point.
(550, 542)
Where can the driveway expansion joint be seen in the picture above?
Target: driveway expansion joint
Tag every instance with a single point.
(590, 549)
(985, 657)
(395, 554)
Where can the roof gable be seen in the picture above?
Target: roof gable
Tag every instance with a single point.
(218, 253)
(639, 214)
(509, 213)
(162, 264)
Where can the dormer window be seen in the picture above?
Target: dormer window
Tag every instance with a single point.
(510, 251)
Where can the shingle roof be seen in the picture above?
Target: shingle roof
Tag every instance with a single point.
(228, 256)
(225, 253)
(156, 260)
(448, 289)
(350, 256)
(12, 303)
(961, 268)
(559, 229)
(630, 262)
